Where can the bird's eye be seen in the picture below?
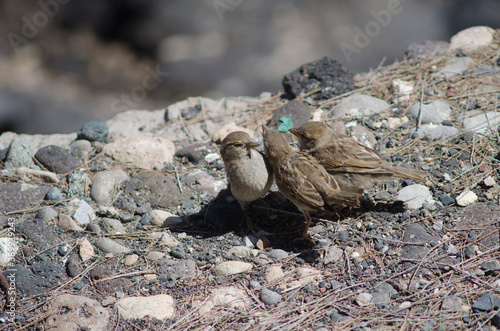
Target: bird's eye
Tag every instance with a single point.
(238, 145)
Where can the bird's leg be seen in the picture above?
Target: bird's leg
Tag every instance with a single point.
(305, 236)
(250, 228)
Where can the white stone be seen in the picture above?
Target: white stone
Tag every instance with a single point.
(415, 195)
(436, 111)
(482, 123)
(132, 123)
(402, 90)
(130, 259)
(239, 251)
(141, 152)
(84, 213)
(466, 198)
(163, 218)
(161, 306)
(404, 305)
(364, 299)
(86, 249)
(36, 176)
(230, 297)
(472, 39)
(105, 185)
(232, 268)
(8, 249)
(333, 254)
(359, 105)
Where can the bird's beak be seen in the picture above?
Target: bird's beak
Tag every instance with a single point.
(294, 132)
(252, 143)
(263, 130)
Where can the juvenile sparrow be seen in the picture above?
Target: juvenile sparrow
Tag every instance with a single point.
(354, 166)
(302, 180)
(248, 173)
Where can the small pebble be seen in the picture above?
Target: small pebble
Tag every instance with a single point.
(270, 297)
(54, 194)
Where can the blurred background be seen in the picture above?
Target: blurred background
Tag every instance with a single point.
(63, 62)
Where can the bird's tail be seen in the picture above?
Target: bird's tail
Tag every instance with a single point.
(344, 199)
(406, 173)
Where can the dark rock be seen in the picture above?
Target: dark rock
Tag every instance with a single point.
(325, 74)
(491, 267)
(146, 219)
(177, 269)
(54, 194)
(73, 265)
(40, 277)
(18, 196)
(486, 302)
(3, 154)
(298, 112)
(178, 252)
(415, 50)
(446, 200)
(126, 218)
(124, 203)
(195, 153)
(109, 286)
(57, 159)
(143, 209)
(190, 112)
(41, 234)
(93, 131)
(159, 190)
(416, 233)
(496, 320)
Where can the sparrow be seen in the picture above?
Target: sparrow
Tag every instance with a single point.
(302, 179)
(247, 172)
(354, 166)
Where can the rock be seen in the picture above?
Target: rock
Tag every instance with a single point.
(278, 254)
(274, 272)
(20, 155)
(36, 176)
(472, 39)
(57, 159)
(383, 293)
(80, 148)
(295, 110)
(359, 105)
(363, 136)
(402, 90)
(415, 50)
(195, 153)
(270, 297)
(436, 111)
(155, 255)
(363, 299)
(454, 67)
(232, 268)
(168, 240)
(66, 223)
(333, 254)
(491, 267)
(489, 181)
(239, 251)
(219, 135)
(416, 233)
(84, 213)
(133, 123)
(54, 194)
(161, 306)
(72, 312)
(124, 202)
(47, 213)
(446, 200)
(405, 305)
(482, 123)
(177, 269)
(125, 218)
(78, 183)
(466, 198)
(159, 217)
(39, 233)
(486, 302)
(142, 152)
(104, 185)
(415, 195)
(131, 259)
(326, 74)
(8, 249)
(112, 226)
(227, 297)
(452, 302)
(110, 246)
(436, 132)
(85, 249)
(201, 182)
(143, 209)
(93, 131)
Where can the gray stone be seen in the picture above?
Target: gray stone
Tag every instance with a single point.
(486, 302)
(452, 302)
(482, 123)
(47, 213)
(84, 213)
(54, 194)
(177, 269)
(278, 254)
(436, 111)
(254, 284)
(20, 154)
(110, 246)
(270, 297)
(416, 233)
(201, 182)
(473, 39)
(112, 226)
(333, 254)
(232, 268)
(436, 132)
(359, 105)
(415, 195)
(93, 131)
(57, 159)
(80, 148)
(78, 183)
(239, 251)
(105, 184)
(454, 67)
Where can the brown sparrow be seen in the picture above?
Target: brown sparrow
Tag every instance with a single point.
(248, 174)
(302, 180)
(354, 166)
